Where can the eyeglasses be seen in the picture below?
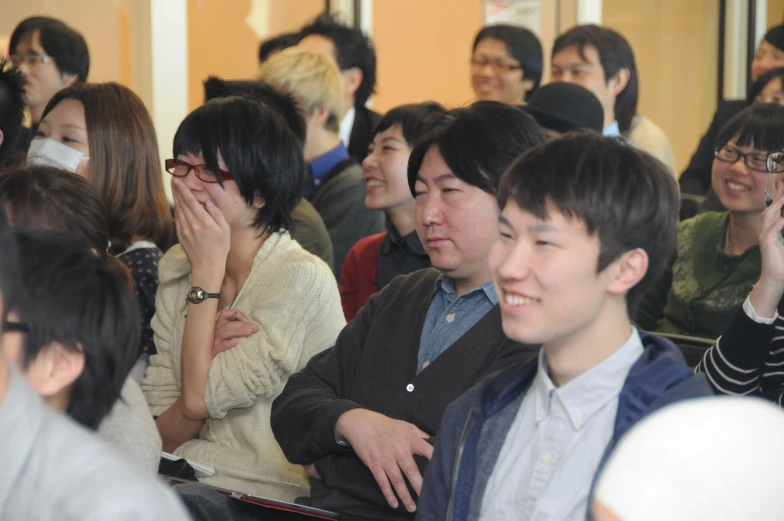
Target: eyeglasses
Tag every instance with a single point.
(29, 59)
(497, 66)
(771, 163)
(181, 169)
(19, 327)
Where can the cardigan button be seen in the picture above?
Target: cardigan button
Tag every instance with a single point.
(410, 388)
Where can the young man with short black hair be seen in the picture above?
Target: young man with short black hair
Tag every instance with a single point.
(82, 325)
(51, 56)
(353, 53)
(506, 64)
(602, 61)
(587, 223)
(52, 468)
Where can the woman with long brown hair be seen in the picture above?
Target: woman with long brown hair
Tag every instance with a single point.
(104, 133)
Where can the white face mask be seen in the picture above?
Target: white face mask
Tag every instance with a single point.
(47, 151)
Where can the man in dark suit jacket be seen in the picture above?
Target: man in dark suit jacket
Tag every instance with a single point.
(355, 56)
(696, 179)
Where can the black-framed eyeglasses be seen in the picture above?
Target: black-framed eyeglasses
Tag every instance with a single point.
(179, 168)
(496, 65)
(9, 326)
(770, 163)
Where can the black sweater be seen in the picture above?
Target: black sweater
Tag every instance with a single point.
(374, 366)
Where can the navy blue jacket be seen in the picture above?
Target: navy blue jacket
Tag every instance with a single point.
(658, 378)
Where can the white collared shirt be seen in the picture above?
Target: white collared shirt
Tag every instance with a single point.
(554, 446)
(346, 125)
(611, 130)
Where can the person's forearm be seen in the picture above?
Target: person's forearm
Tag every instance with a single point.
(765, 297)
(197, 341)
(175, 429)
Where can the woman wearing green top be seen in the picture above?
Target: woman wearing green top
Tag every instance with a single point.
(717, 258)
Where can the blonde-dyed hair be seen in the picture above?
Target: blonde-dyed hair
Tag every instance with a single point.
(311, 79)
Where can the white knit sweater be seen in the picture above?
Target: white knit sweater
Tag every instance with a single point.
(293, 297)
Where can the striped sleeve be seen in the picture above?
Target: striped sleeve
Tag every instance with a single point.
(736, 363)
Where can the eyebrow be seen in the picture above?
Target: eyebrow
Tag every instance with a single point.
(538, 227)
(391, 138)
(443, 177)
(71, 125)
(543, 227)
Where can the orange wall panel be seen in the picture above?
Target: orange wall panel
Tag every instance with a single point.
(424, 49)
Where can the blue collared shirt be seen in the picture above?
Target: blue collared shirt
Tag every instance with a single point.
(321, 166)
(552, 450)
(612, 129)
(449, 317)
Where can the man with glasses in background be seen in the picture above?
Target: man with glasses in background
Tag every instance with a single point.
(506, 64)
(51, 56)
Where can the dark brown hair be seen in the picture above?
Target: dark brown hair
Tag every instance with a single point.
(125, 167)
(38, 196)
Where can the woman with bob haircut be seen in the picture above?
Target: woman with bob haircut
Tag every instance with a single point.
(103, 132)
(717, 256)
(375, 260)
(238, 173)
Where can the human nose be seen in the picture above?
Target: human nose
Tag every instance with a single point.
(739, 166)
(514, 262)
(370, 162)
(430, 210)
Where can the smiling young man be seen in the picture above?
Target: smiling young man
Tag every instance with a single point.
(602, 61)
(586, 223)
(51, 56)
(506, 64)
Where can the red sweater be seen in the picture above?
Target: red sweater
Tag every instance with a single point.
(359, 274)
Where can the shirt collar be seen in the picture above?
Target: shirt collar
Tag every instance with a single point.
(346, 125)
(447, 285)
(410, 241)
(321, 166)
(612, 129)
(587, 394)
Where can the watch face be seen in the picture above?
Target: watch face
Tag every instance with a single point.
(195, 295)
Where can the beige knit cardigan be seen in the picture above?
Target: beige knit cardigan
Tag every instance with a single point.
(293, 297)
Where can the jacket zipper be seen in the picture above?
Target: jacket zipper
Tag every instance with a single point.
(469, 424)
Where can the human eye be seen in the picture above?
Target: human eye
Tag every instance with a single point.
(419, 189)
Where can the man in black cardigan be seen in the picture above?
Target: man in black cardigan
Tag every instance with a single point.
(363, 415)
(355, 56)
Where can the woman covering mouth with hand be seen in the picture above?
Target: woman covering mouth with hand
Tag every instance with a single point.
(717, 256)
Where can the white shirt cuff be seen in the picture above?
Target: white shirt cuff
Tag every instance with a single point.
(749, 310)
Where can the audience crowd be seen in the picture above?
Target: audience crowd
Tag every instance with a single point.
(436, 313)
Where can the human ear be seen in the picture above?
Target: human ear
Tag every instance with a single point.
(619, 82)
(627, 271)
(352, 79)
(61, 368)
(68, 79)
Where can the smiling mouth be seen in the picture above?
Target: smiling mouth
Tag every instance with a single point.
(517, 300)
(372, 183)
(737, 187)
